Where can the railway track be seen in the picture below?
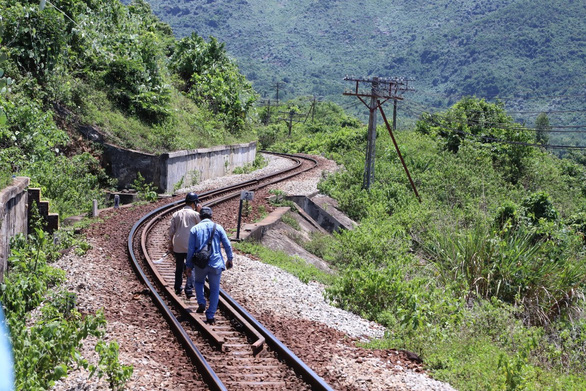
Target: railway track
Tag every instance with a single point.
(237, 353)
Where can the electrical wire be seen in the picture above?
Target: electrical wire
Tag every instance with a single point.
(524, 128)
(546, 112)
(487, 138)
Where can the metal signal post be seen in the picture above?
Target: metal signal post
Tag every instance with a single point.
(244, 196)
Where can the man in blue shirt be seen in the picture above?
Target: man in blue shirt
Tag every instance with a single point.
(197, 240)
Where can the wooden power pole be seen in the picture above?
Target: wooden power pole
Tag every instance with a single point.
(291, 116)
(277, 85)
(379, 90)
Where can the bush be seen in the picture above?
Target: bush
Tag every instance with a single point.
(478, 122)
(46, 347)
(539, 206)
(212, 79)
(71, 185)
(519, 267)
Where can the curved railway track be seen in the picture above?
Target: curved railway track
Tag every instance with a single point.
(237, 353)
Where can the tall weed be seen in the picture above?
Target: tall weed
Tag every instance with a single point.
(519, 266)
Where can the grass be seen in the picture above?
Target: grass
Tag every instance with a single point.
(290, 221)
(490, 350)
(294, 265)
(472, 362)
(188, 127)
(258, 163)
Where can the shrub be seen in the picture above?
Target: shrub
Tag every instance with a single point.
(539, 206)
(518, 267)
(578, 223)
(479, 122)
(146, 191)
(46, 347)
(212, 79)
(70, 184)
(507, 215)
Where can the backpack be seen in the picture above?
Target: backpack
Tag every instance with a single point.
(202, 257)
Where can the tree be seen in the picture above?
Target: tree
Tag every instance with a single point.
(481, 124)
(543, 128)
(213, 79)
(4, 81)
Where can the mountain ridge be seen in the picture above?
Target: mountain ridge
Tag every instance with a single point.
(451, 48)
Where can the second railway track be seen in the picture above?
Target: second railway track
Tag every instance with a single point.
(237, 353)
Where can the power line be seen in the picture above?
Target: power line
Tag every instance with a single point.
(510, 112)
(527, 97)
(546, 112)
(515, 127)
(487, 138)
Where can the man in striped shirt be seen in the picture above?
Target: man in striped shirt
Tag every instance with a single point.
(179, 229)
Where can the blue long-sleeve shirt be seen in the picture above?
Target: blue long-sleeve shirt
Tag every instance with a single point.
(198, 238)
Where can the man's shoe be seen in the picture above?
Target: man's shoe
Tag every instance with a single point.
(201, 308)
(210, 321)
(178, 291)
(189, 296)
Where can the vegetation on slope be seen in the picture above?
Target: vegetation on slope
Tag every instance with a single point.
(46, 330)
(527, 52)
(485, 277)
(119, 69)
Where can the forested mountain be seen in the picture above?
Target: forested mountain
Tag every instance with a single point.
(527, 52)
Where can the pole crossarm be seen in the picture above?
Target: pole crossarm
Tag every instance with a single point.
(379, 87)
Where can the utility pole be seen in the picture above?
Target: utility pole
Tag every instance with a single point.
(266, 103)
(277, 85)
(292, 117)
(311, 110)
(268, 117)
(380, 89)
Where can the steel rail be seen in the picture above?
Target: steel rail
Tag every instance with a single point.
(306, 373)
(200, 362)
(208, 374)
(218, 341)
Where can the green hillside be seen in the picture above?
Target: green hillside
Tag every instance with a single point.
(484, 277)
(118, 69)
(521, 50)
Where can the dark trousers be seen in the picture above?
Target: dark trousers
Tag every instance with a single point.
(179, 268)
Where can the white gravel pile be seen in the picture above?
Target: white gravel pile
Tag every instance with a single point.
(268, 288)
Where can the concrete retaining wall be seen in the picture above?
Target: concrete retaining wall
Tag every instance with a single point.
(330, 221)
(125, 164)
(167, 170)
(13, 216)
(197, 165)
(16, 202)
